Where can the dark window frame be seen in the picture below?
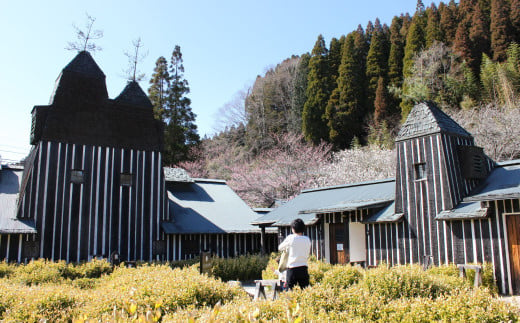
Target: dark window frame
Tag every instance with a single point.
(420, 172)
(77, 176)
(126, 179)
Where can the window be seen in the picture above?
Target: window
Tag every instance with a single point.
(420, 171)
(125, 179)
(77, 176)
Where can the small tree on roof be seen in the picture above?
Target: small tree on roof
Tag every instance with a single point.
(85, 37)
(134, 58)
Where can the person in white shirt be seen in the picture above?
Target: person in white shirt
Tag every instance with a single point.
(298, 246)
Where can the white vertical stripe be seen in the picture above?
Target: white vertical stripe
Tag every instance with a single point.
(55, 202)
(130, 201)
(36, 202)
(92, 180)
(374, 244)
(120, 225)
(428, 215)
(151, 217)
(506, 243)
(443, 205)
(111, 197)
(501, 256)
(98, 188)
(180, 247)
(20, 238)
(104, 250)
(435, 201)
(71, 185)
(159, 180)
(44, 211)
(408, 201)
(65, 170)
(397, 243)
(473, 239)
(81, 205)
(8, 246)
(482, 241)
(142, 203)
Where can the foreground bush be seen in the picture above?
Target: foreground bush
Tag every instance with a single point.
(159, 293)
(242, 268)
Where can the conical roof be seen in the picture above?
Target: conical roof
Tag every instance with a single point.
(84, 63)
(426, 119)
(132, 94)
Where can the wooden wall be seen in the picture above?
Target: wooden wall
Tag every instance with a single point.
(188, 246)
(78, 221)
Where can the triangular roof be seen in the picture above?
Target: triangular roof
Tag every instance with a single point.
(84, 63)
(132, 94)
(426, 119)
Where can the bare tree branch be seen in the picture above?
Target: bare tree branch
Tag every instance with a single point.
(85, 38)
(132, 73)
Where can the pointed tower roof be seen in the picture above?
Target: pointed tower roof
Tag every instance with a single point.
(79, 80)
(132, 94)
(84, 63)
(426, 119)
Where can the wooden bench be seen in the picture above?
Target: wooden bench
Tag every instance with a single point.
(478, 270)
(262, 283)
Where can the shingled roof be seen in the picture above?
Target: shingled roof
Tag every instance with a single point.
(80, 112)
(426, 119)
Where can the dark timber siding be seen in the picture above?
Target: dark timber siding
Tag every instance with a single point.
(78, 221)
(188, 246)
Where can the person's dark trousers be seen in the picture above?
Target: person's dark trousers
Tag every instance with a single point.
(298, 276)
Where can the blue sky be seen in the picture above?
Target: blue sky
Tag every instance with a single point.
(225, 45)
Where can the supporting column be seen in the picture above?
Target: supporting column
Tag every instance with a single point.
(262, 240)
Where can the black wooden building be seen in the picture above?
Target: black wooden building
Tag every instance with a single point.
(94, 184)
(449, 203)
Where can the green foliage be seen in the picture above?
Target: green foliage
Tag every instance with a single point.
(318, 90)
(151, 293)
(40, 271)
(342, 276)
(243, 268)
(377, 61)
(6, 269)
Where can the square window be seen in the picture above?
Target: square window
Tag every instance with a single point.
(77, 176)
(126, 179)
(420, 171)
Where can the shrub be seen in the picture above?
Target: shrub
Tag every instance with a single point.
(317, 269)
(342, 276)
(40, 271)
(6, 269)
(240, 268)
(95, 268)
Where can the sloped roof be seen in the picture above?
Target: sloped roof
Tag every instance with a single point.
(10, 180)
(425, 119)
(463, 211)
(207, 206)
(386, 215)
(84, 63)
(132, 94)
(503, 183)
(331, 199)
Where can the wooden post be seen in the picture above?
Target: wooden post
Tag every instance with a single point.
(262, 240)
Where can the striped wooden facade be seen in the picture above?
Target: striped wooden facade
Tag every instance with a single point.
(189, 246)
(77, 221)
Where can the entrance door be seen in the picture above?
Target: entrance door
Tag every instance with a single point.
(513, 235)
(338, 244)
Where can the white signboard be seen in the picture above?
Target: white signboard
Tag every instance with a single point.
(357, 242)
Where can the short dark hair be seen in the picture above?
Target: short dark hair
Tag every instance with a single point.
(298, 226)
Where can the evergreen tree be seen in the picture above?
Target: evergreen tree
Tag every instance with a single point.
(461, 44)
(395, 57)
(345, 106)
(515, 20)
(181, 131)
(466, 9)
(377, 60)
(368, 32)
(381, 102)
(299, 93)
(314, 124)
(448, 21)
(433, 29)
(414, 43)
(479, 38)
(158, 90)
(334, 58)
(500, 36)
